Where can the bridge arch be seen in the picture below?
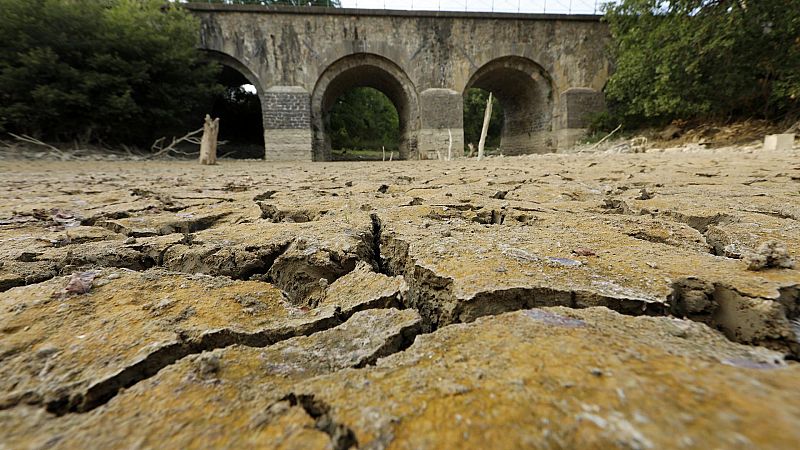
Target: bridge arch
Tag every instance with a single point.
(230, 61)
(525, 91)
(241, 114)
(364, 70)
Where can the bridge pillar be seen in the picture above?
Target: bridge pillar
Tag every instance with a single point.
(287, 124)
(577, 107)
(442, 119)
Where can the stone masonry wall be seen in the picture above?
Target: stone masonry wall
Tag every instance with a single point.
(579, 104)
(286, 110)
(287, 123)
(431, 50)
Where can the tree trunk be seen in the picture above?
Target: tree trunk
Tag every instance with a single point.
(208, 145)
(486, 116)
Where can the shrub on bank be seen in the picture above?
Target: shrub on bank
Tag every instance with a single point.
(703, 59)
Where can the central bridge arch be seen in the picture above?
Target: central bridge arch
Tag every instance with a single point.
(364, 70)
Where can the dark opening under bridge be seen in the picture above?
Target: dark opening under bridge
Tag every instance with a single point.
(547, 71)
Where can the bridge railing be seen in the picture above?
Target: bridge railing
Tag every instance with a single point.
(508, 6)
(504, 6)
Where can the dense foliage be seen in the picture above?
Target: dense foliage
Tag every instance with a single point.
(717, 59)
(98, 70)
(474, 108)
(364, 118)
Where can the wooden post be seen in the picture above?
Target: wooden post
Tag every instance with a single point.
(486, 116)
(208, 145)
(449, 145)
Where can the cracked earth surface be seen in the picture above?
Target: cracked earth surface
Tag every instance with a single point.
(560, 301)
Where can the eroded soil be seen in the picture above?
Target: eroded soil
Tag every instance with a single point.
(560, 301)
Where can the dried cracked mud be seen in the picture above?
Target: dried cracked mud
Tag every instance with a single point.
(560, 301)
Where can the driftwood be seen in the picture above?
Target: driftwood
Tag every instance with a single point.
(486, 116)
(159, 149)
(606, 138)
(208, 145)
(30, 140)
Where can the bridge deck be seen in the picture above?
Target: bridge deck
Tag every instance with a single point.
(219, 7)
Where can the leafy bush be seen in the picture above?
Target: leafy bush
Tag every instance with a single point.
(99, 70)
(602, 122)
(693, 59)
(364, 118)
(474, 109)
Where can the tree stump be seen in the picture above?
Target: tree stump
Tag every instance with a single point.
(208, 145)
(487, 114)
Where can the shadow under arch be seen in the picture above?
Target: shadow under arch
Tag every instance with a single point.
(364, 70)
(241, 114)
(525, 91)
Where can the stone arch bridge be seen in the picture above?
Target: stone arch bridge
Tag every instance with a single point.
(547, 71)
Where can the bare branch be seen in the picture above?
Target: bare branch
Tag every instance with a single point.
(606, 138)
(159, 150)
(30, 140)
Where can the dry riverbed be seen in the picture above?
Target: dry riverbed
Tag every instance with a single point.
(586, 301)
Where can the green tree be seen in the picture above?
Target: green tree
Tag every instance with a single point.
(704, 59)
(364, 119)
(474, 109)
(99, 70)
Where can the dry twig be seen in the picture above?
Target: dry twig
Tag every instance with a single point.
(606, 138)
(159, 149)
(31, 140)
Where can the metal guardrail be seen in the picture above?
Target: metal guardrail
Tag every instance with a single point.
(508, 6)
(577, 7)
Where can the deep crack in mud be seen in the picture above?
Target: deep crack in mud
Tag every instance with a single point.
(342, 438)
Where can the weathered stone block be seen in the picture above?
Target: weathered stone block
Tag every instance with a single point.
(286, 107)
(441, 110)
(435, 142)
(287, 124)
(567, 137)
(287, 145)
(779, 142)
(578, 105)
